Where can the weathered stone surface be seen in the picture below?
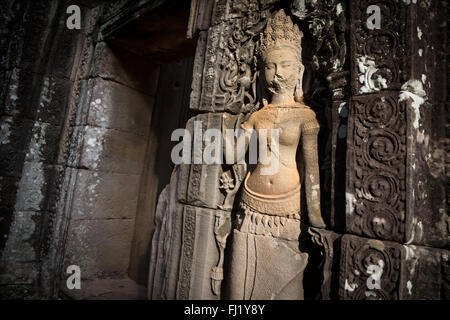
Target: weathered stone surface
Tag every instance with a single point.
(108, 289)
(65, 48)
(376, 167)
(374, 269)
(53, 100)
(229, 80)
(200, 16)
(17, 273)
(197, 72)
(329, 244)
(32, 186)
(96, 245)
(36, 69)
(19, 291)
(105, 195)
(199, 183)
(22, 244)
(39, 58)
(370, 269)
(17, 93)
(31, 53)
(170, 112)
(339, 131)
(392, 135)
(116, 106)
(199, 253)
(378, 61)
(429, 221)
(12, 145)
(226, 10)
(166, 244)
(425, 274)
(7, 191)
(44, 143)
(111, 150)
(125, 68)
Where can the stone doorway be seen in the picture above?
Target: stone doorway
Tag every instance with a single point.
(137, 94)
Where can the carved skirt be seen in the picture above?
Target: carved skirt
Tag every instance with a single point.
(266, 261)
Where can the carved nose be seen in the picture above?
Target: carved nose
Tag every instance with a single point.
(278, 77)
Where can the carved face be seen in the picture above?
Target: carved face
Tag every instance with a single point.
(281, 70)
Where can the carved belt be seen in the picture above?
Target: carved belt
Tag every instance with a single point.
(284, 227)
(287, 204)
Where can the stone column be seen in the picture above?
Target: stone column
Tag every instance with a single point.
(395, 193)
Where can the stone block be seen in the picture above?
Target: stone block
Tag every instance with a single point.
(101, 248)
(22, 244)
(370, 269)
(197, 70)
(166, 246)
(35, 35)
(53, 100)
(338, 173)
(373, 69)
(65, 49)
(116, 106)
(329, 245)
(19, 292)
(229, 75)
(199, 184)
(112, 150)
(395, 170)
(375, 269)
(126, 68)
(200, 252)
(107, 289)
(43, 145)
(105, 195)
(200, 17)
(32, 187)
(376, 191)
(13, 144)
(17, 273)
(18, 93)
(426, 274)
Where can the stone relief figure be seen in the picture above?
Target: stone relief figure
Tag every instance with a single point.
(266, 262)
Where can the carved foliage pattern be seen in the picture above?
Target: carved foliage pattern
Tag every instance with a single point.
(229, 80)
(384, 47)
(189, 222)
(377, 156)
(370, 269)
(327, 25)
(235, 89)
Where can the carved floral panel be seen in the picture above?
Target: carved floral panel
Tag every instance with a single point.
(376, 159)
(370, 269)
(378, 45)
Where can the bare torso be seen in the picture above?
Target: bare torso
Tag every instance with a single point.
(288, 120)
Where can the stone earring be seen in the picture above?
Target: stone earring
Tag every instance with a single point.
(298, 91)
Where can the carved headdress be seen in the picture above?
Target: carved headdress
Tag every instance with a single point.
(281, 31)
